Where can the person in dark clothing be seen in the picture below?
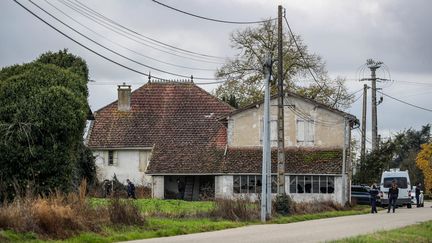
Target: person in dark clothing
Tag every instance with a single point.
(392, 196)
(181, 189)
(130, 189)
(417, 193)
(373, 197)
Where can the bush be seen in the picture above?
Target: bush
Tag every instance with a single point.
(236, 210)
(316, 207)
(283, 204)
(124, 212)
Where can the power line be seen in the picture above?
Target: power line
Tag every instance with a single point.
(129, 36)
(303, 58)
(89, 49)
(108, 49)
(406, 103)
(118, 44)
(212, 19)
(82, 45)
(149, 38)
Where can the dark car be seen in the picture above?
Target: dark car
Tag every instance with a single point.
(360, 194)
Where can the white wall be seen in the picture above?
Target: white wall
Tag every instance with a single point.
(224, 189)
(158, 187)
(126, 166)
(309, 197)
(224, 186)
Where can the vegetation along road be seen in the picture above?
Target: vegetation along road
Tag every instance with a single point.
(310, 231)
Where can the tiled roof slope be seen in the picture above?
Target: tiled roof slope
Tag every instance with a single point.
(239, 160)
(164, 115)
(297, 161)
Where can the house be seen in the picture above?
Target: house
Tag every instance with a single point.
(162, 127)
(172, 130)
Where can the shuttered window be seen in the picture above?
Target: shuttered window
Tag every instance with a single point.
(305, 132)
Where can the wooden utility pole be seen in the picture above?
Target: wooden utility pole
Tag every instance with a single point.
(280, 123)
(363, 125)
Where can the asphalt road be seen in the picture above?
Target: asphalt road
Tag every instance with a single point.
(309, 231)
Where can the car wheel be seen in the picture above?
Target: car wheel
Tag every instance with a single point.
(409, 205)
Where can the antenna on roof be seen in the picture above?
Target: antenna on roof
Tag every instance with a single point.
(191, 78)
(149, 77)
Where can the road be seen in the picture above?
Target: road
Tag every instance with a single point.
(309, 231)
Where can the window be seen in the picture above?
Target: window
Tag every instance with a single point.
(252, 184)
(110, 157)
(236, 184)
(305, 132)
(400, 181)
(311, 184)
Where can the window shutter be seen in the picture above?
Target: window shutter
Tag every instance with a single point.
(311, 133)
(105, 157)
(300, 132)
(115, 158)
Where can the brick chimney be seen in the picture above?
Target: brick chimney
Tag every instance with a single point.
(124, 97)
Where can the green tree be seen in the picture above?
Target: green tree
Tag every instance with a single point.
(43, 110)
(397, 152)
(244, 73)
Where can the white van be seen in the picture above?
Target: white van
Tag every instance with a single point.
(403, 182)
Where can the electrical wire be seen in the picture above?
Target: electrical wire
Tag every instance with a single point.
(212, 19)
(122, 46)
(129, 36)
(112, 51)
(146, 37)
(82, 45)
(404, 102)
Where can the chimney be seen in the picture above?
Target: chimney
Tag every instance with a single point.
(124, 97)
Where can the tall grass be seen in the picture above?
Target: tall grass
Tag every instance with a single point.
(61, 216)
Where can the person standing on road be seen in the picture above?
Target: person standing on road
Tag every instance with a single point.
(417, 193)
(392, 196)
(373, 197)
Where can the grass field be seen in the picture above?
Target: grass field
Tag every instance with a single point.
(168, 218)
(164, 207)
(416, 233)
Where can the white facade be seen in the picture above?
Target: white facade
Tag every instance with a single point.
(125, 164)
(224, 185)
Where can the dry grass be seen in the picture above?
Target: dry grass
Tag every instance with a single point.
(235, 210)
(61, 216)
(316, 207)
(124, 212)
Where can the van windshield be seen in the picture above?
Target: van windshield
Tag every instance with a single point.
(401, 182)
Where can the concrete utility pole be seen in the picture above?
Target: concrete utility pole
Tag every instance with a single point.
(363, 125)
(373, 66)
(266, 159)
(280, 123)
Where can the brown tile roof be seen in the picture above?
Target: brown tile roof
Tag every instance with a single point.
(297, 161)
(238, 160)
(162, 115)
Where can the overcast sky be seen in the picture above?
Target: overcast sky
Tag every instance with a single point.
(343, 32)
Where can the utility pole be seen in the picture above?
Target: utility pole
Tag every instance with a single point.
(363, 125)
(266, 159)
(280, 123)
(373, 66)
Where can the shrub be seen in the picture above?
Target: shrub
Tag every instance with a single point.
(283, 204)
(316, 207)
(124, 212)
(236, 209)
